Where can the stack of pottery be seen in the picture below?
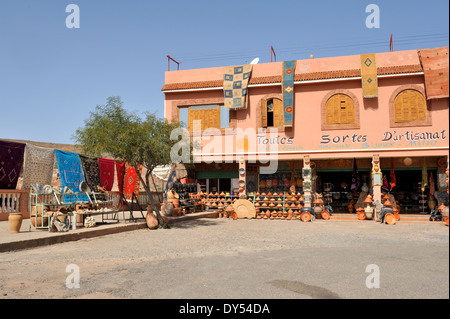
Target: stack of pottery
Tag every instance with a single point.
(173, 197)
(369, 209)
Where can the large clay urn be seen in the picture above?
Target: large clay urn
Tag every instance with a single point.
(15, 222)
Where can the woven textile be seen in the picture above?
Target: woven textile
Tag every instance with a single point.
(435, 69)
(38, 166)
(288, 92)
(120, 169)
(70, 174)
(107, 172)
(369, 75)
(132, 182)
(11, 162)
(235, 83)
(91, 171)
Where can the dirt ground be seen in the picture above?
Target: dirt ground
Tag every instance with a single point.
(214, 258)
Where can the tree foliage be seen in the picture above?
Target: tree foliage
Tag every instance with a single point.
(112, 131)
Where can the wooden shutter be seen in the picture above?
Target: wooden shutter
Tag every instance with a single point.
(263, 113)
(210, 118)
(410, 106)
(278, 113)
(340, 109)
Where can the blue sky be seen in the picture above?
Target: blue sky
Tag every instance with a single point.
(51, 76)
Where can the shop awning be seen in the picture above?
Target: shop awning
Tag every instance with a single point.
(216, 174)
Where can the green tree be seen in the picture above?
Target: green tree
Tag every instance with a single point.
(113, 131)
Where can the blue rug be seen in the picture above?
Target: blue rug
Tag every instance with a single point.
(70, 174)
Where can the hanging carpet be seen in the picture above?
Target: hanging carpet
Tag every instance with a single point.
(11, 162)
(107, 172)
(70, 174)
(235, 86)
(38, 166)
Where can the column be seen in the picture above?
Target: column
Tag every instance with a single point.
(307, 181)
(242, 177)
(377, 181)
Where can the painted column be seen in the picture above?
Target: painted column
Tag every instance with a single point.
(307, 180)
(376, 188)
(242, 177)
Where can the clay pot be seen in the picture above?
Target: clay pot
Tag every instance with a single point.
(325, 215)
(39, 221)
(15, 222)
(151, 220)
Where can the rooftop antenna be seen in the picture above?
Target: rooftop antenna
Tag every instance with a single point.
(255, 61)
(168, 62)
(272, 54)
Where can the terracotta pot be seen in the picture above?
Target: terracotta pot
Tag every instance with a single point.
(39, 221)
(151, 220)
(15, 222)
(389, 219)
(305, 216)
(325, 215)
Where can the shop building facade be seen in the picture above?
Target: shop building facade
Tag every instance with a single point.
(383, 118)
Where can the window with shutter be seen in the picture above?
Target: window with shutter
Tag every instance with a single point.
(211, 116)
(340, 109)
(410, 106)
(272, 113)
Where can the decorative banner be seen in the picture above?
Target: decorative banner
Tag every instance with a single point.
(132, 182)
(91, 171)
(106, 172)
(355, 177)
(393, 179)
(288, 92)
(235, 83)
(369, 75)
(38, 166)
(70, 174)
(435, 68)
(11, 162)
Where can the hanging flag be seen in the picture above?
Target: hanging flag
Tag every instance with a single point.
(355, 177)
(391, 44)
(393, 179)
(385, 183)
(424, 175)
(432, 187)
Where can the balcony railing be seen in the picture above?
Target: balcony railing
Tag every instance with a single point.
(14, 201)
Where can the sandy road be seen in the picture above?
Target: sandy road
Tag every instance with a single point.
(218, 258)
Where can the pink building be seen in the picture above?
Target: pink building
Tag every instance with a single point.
(384, 116)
